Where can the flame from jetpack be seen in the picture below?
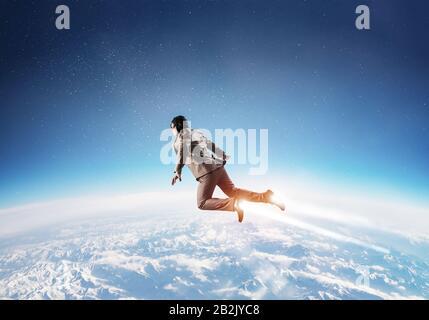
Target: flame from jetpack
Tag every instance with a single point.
(277, 215)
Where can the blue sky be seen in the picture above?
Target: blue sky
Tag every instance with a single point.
(82, 110)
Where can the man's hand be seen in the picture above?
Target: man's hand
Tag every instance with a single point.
(177, 176)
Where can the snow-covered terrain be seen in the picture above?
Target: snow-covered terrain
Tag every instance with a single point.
(159, 253)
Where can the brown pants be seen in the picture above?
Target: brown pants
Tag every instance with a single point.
(220, 178)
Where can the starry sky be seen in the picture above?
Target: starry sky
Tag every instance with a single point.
(82, 110)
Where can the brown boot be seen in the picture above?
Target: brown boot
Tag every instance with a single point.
(240, 212)
(270, 197)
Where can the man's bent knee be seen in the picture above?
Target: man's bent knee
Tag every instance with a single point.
(201, 204)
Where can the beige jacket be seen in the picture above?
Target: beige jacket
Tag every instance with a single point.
(197, 152)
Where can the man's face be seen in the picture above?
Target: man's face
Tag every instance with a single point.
(173, 129)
